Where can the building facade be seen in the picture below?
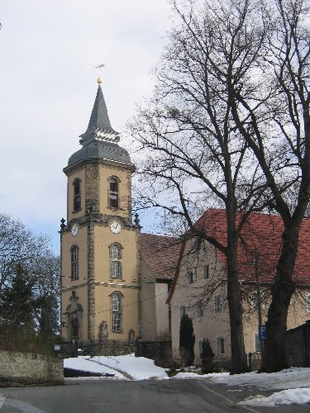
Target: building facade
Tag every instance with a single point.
(200, 284)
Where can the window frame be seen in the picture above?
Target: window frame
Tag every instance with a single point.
(74, 262)
(200, 346)
(113, 192)
(190, 277)
(206, 271)
(200, 309)
(220, 341)
(116, 312)
(77, 197)
(116, 261)
(217, 304)
(182, 311)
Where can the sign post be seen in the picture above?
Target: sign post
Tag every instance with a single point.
(262, 334)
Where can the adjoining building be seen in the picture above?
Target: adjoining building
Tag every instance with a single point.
(200, 285)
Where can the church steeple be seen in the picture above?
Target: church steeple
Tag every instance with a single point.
(99, 126)
(100, 141)
(99, 244)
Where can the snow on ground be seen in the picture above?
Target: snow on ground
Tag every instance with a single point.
(294, 383)
(291, 386)
(293, 396)
(130, 367)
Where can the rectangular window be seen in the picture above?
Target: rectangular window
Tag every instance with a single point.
(115, 269)
(221, 346)
(74, 263)
(217, 304)
(206, 271)
(200, 347)
(116, 321)
(182, 310)
(113, 185)
(76, 194)
(200, 309)
(190, 277)
(114, 200)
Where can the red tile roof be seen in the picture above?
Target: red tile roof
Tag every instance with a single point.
(262, 232)
(161, 254)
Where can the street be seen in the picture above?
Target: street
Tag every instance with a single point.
(150, 396)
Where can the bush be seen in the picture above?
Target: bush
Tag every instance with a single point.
(207, 356)
(187, 341)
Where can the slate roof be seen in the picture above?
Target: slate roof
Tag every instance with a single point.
(101, 150)
(262, 232)
(100, 139)
(99, 125)
(161, 254)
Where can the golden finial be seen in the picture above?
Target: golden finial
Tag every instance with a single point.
(99, 80)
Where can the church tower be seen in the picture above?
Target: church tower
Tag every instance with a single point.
(99, 243)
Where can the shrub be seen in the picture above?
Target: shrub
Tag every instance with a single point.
(207, 356)
(187, 341)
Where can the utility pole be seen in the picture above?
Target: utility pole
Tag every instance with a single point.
(259, 302)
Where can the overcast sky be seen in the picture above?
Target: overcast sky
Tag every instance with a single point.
(48, 54)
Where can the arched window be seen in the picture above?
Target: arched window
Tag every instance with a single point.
(116, 311)
(74, 262)
(113, 192)
(116, 261)
(76, 194)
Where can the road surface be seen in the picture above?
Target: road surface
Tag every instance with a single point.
(149, 396)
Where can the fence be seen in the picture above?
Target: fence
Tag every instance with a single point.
(160, 351)
(75, 348)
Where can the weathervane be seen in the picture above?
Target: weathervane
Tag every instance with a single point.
(99, 78)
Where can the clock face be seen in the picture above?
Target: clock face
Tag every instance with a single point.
(75, 229)
(116, 227)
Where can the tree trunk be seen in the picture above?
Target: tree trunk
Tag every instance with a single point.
(282, 290)
(238, 355)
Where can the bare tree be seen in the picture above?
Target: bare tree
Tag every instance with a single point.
(229, 126)
(197, 154)
(274, 120)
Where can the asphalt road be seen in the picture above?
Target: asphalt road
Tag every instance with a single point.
(150, 396)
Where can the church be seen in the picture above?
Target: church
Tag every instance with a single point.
(120, 284)
(115, 280)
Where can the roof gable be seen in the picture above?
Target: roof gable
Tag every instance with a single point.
(261, 233)
(161, 254)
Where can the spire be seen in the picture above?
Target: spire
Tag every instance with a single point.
(99, 126)
(100, 139)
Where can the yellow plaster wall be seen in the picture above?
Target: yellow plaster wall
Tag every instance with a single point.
(79, 285)
(105, 285)
(124, 176)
